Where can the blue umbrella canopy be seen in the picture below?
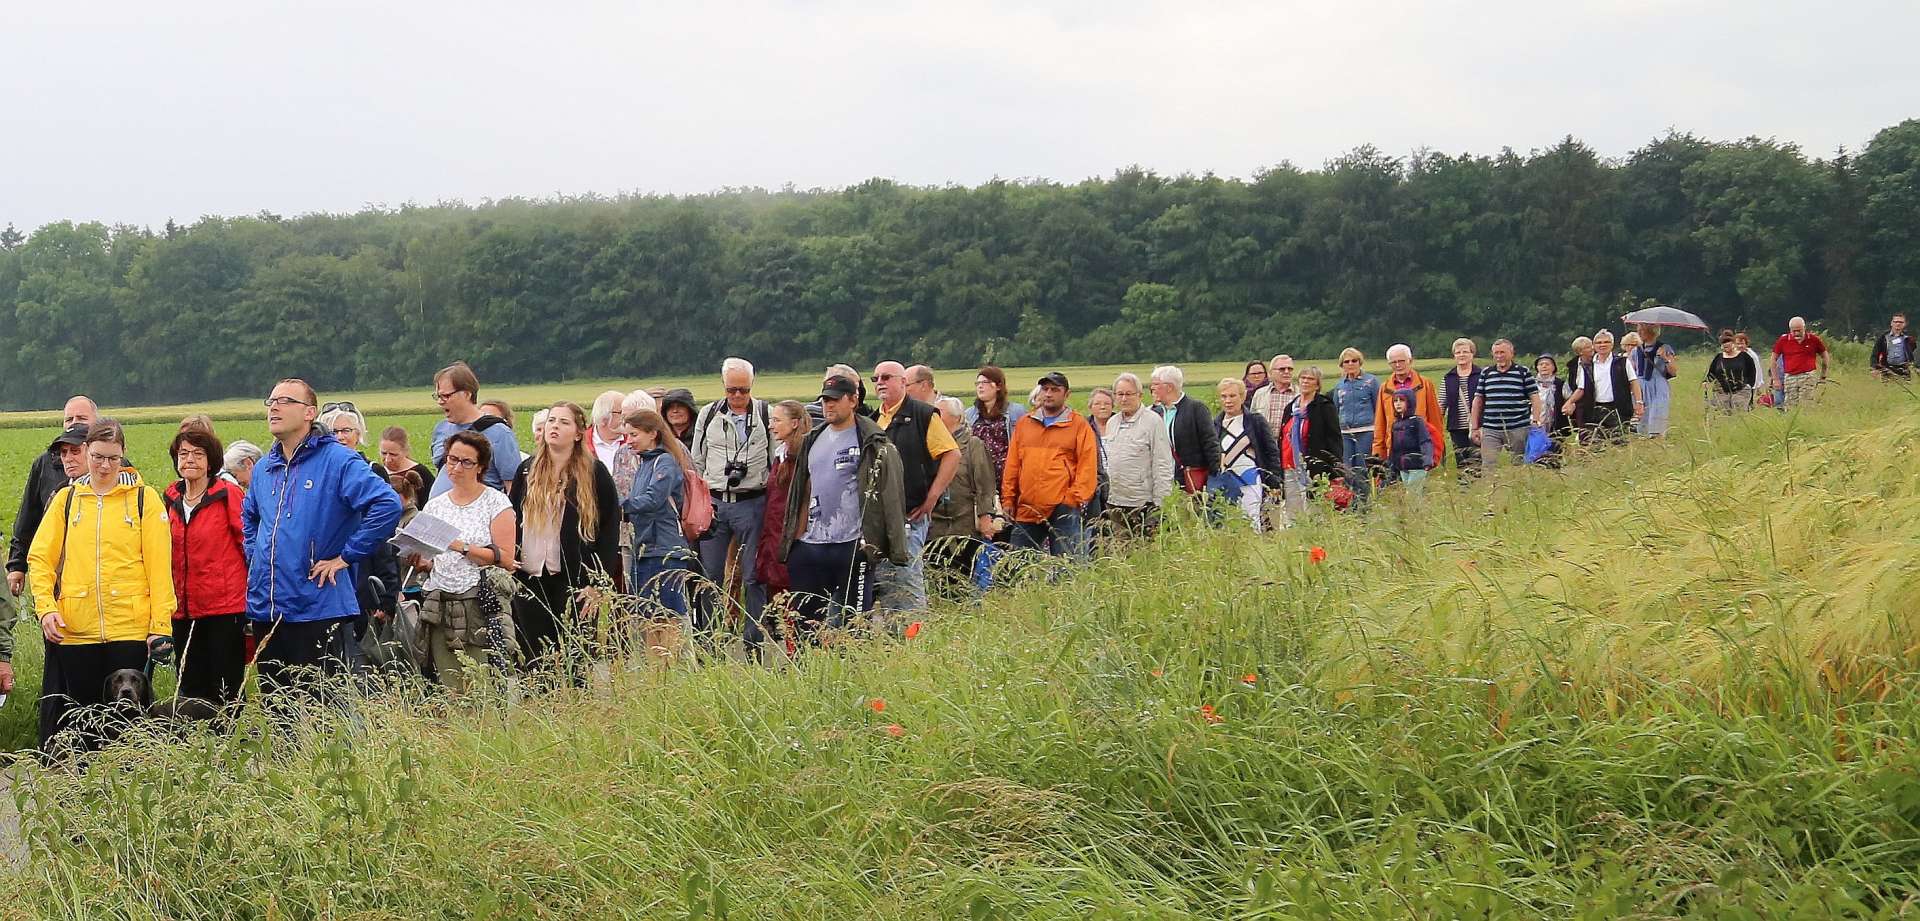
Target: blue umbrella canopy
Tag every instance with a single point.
(1665, 316)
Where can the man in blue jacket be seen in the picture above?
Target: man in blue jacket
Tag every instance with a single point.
(315, 509)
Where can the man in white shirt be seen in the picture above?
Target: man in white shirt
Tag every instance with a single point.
(1139, 461)
(605, 434)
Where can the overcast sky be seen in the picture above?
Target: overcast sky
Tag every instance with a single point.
(141, 111)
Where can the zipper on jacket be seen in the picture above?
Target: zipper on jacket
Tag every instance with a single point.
(99, 596)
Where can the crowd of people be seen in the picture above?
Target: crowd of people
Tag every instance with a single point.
(783, 523)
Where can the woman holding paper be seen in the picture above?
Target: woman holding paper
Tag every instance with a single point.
(458, 625)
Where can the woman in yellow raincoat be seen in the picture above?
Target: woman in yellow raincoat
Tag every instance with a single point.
(101, 566)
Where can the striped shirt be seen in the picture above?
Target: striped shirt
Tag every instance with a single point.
(1508, 397)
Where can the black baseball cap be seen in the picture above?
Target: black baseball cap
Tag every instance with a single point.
(75, 435)
(838, 386)
(1056, 379)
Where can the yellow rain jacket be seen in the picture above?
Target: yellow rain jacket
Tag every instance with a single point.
(111, 557)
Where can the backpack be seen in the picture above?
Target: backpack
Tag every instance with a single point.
(696, 509)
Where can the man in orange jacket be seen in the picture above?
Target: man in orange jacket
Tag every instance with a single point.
(1426, 401)
(1053, 468)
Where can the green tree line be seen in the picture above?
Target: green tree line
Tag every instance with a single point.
(1368, 250)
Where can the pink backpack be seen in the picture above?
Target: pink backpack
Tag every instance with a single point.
(696, 513)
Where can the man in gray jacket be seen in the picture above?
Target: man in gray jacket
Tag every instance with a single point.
(733, 452)
(1139, 461)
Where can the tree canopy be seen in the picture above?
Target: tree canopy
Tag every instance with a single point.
(1369, 250)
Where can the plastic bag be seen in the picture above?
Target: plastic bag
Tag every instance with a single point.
(1539, 444)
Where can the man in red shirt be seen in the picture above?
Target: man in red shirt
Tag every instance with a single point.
(1799, 353)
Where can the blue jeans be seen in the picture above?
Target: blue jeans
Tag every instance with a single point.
(1355, 448)
(904, 588)
(739, 519)
(661, 584)
(1062, 534)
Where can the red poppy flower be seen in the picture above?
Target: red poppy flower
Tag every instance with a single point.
(1206, 713)
(896, 730)
(913, 629)
(1249, 678)
(1159, 672)
(1317, 555)
(878, 705)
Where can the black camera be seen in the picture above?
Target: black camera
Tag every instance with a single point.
(736, 471)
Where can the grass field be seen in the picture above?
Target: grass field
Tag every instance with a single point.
(1674, 680)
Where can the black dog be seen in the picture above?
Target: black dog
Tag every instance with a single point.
(128, 691)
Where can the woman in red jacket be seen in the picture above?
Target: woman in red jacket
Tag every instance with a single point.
(789, 425)
(209, 571)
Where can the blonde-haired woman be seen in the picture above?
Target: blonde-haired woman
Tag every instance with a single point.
(568, 514)
(1355, 398)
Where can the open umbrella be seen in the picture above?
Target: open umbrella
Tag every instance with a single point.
(1665, 316)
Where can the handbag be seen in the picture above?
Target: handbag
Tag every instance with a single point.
(1225, 484)
(1193, 480)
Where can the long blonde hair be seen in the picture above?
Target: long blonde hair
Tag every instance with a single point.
(547, 485)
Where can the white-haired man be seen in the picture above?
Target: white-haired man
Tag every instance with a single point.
(605, 421)
(1196, 445)
(733, 452)
(1139, 461)
(929, 458)
(1799, 355)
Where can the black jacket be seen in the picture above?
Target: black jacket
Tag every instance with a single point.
(1879, 360)
(1195, 443)
(577, 555)
(44, 478)
(1266, 447)
(1322, 443)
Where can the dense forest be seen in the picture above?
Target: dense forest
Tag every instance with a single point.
(1370, 249)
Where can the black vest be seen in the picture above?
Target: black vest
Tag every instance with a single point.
(908, 432)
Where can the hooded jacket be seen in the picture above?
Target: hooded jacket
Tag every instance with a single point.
(1049, 466)
(883, 498)
(681, 396)
(104, 561)
(1426, 405)
(1416, 442)
(323, 502)
(209, 562)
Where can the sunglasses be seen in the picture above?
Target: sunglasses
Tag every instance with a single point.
(739, 391)
(343, 405)
(877, 378)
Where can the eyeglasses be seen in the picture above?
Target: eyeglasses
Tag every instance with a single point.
(272, 402)
(460, 462)
(1349, 361)
(1279, 368)
(345, 429)
(343, 404)
(739, 391)
(105, 458)
(441, 396)
(1126, 393)
(877, 378)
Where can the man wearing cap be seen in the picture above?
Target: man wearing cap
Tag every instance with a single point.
(53, 469)
(928, 460)
(845, 511)
(1053, 468)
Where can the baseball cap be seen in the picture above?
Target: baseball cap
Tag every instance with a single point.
(1056, 379)
(74, 435)
(837, 387)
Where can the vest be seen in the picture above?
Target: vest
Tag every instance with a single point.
(908, 432)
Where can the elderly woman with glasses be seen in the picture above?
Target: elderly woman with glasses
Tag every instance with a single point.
(1357, 399)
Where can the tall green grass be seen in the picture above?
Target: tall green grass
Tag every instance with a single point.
(1673, 680)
